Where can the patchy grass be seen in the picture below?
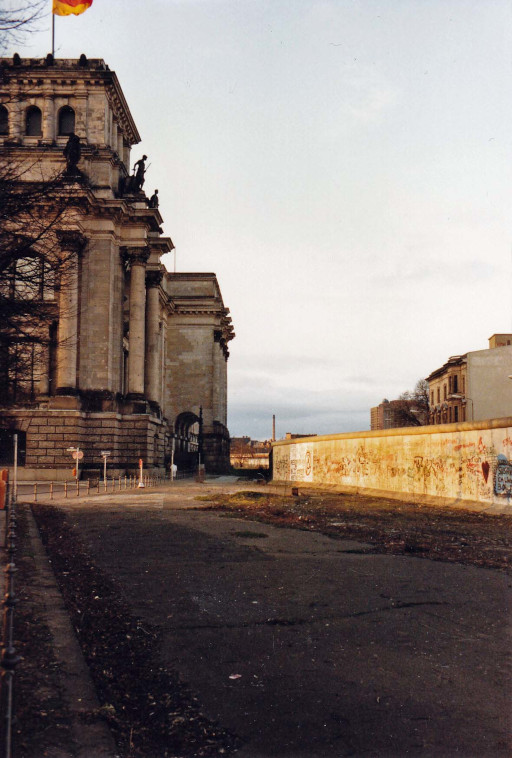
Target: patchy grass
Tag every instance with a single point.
(390, 526)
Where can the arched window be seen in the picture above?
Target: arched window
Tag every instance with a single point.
(4, 120)
(66, 121)
(33, 122)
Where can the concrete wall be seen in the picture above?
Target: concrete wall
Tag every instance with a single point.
(463, 462)
(489, 390)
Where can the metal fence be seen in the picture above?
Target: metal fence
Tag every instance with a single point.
(9, 658)
(32, 492)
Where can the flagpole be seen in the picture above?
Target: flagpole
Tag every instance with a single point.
(53, 34)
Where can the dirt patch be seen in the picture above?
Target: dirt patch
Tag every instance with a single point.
(444, 534)
(150, 712)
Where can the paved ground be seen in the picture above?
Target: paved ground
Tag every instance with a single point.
(307, 646)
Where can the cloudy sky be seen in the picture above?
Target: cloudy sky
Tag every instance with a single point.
(344, 166)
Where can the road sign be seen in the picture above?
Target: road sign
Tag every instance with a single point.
(105, 453)
(77, 455)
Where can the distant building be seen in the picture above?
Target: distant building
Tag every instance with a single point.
(388, 415)
(290, 436)
(249, 454)
(473, 386)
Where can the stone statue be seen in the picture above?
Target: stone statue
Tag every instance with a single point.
(72, 153)
(153, 200)
(140, 170)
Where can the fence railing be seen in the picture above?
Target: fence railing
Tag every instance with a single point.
(32, 492)
(9, 658)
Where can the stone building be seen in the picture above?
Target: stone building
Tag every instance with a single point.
(387, 415)
(134, 358)
(475, 386)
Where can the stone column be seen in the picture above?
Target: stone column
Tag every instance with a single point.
(137, 258)
(81, 115)
(153, 340)
(44, 376)
(16, 126)
(72, 244)
(49, 130)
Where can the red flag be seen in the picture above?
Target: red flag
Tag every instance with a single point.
(68, 7)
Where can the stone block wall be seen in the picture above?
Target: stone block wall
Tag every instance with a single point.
(49, 434)
(447, 462)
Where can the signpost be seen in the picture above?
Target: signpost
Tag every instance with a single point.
(77, 455)
(141, 467)
(105, 454)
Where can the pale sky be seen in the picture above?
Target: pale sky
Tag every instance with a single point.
(343, 166)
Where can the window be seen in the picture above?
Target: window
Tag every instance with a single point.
(33, 122)
(4, 120)
(455, 383)
(438, 395)
(432, 398)
(456, 411)
(30, 278)
(66, 121)
(20, 368)
(444, 391)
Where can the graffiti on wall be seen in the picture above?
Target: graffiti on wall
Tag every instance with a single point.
(464, 465)
(301, 463)
(503, 477)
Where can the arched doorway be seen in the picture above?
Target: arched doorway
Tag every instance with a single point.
(186, 440)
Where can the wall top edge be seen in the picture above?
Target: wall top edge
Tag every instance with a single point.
(406, 431)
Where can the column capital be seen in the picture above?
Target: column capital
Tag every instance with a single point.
(71, 240)
(135, 256)
(153, 278)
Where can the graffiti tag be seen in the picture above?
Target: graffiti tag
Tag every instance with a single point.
(503, 477)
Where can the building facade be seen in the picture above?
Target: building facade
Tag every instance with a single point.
(387, 415)
(475, 386)
(134, 358)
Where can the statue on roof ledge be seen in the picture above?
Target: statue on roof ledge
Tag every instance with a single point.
(72, 153)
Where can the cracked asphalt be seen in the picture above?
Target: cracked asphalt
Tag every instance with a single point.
(307, 646)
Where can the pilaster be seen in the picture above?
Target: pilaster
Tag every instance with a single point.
(137, 258)
(72, 244)
(153, 337)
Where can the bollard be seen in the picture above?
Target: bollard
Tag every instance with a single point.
(35, 492)
(51, 490)
(77, 487)
(119, 484)
(125, 481)
(105, 483)
(65, 489)
(88, 486)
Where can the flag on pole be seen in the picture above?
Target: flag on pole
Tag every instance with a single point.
(68, 7)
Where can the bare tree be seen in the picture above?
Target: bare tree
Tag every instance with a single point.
(33, 209)
(19, 18)
(411, 409)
